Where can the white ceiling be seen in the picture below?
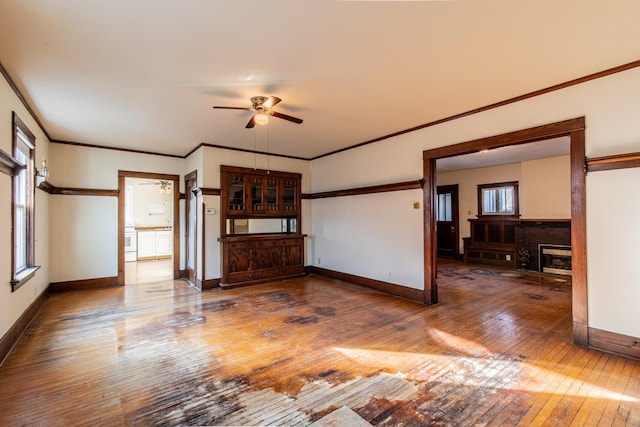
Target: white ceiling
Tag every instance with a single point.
(504, 155)
(144, 74)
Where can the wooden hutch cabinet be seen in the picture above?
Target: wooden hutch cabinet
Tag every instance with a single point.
(260, 226)
(492, 241)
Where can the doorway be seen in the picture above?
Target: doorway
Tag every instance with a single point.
(190, 184)
(575, 130)
(447, 223)
(148, 227)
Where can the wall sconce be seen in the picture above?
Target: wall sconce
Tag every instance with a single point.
(43, 173)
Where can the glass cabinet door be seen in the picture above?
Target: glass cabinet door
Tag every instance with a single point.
(236, 194)
(271, 195)
(257, 196)
(289, 195)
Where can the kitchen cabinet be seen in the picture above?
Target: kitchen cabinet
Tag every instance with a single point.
(155, 244)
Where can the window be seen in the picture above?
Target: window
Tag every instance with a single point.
(23, 207)
(498, 199)
(443, 207)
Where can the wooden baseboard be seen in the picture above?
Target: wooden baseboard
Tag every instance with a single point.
(207, 284)
(612, 342)
(80, 285)
(13, 335)
(396, 290)
(580, 334)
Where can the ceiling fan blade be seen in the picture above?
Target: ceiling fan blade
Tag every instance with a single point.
(251, 123)
(286, 117)
(271, 101)
(232, 108)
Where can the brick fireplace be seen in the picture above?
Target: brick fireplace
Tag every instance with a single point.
(534, 233)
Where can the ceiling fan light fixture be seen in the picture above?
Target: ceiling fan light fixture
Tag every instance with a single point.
(261, 118)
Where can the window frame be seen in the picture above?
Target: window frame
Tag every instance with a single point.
(22, 136)
(498, 185)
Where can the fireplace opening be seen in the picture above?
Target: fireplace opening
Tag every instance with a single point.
(555, 259)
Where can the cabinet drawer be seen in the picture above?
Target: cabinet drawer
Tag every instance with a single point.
(266, 273)
(267, 243)
(240, 245)
(243, 276)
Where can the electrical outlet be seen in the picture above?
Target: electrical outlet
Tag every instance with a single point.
(390, 275)
(508, 257)
(319, 261)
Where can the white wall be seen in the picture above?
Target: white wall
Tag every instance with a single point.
(613, 229)
(86, 227)
(13, 304)
(544, 188)
(145, 195)
(610, 105)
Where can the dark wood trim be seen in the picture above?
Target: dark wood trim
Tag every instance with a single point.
(533, 94)
(612, 342)
(430, 240)
(203, 258)
(618, 161)
(389, 288)
(8, 164)
(23, 277)
(384, 188)
(579, 238)
(190, 252)
(176, 226)
(23, 100)
(537, 133)
(574, 128)
(175, 179)
(205, 285)
(121, 224)
(83, 191)
(516, 200)
(17, 330)
(105, 147)
(150, 175)
(244, 150)
(204, 191)
(46, 186)
(81, 285)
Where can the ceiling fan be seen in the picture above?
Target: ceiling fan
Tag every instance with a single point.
(262, 105)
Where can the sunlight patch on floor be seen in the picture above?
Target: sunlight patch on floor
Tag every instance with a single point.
(474, 371)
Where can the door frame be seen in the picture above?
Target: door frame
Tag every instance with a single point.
(455, 215)
(575, 130)
(175, 179)
(190, 274)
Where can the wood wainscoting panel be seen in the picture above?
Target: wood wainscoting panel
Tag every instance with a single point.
(390, 288)
(81, 285)
(614, 343)
(11, 338)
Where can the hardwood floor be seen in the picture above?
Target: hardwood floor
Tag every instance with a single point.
(496, 351)
(136, 272)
